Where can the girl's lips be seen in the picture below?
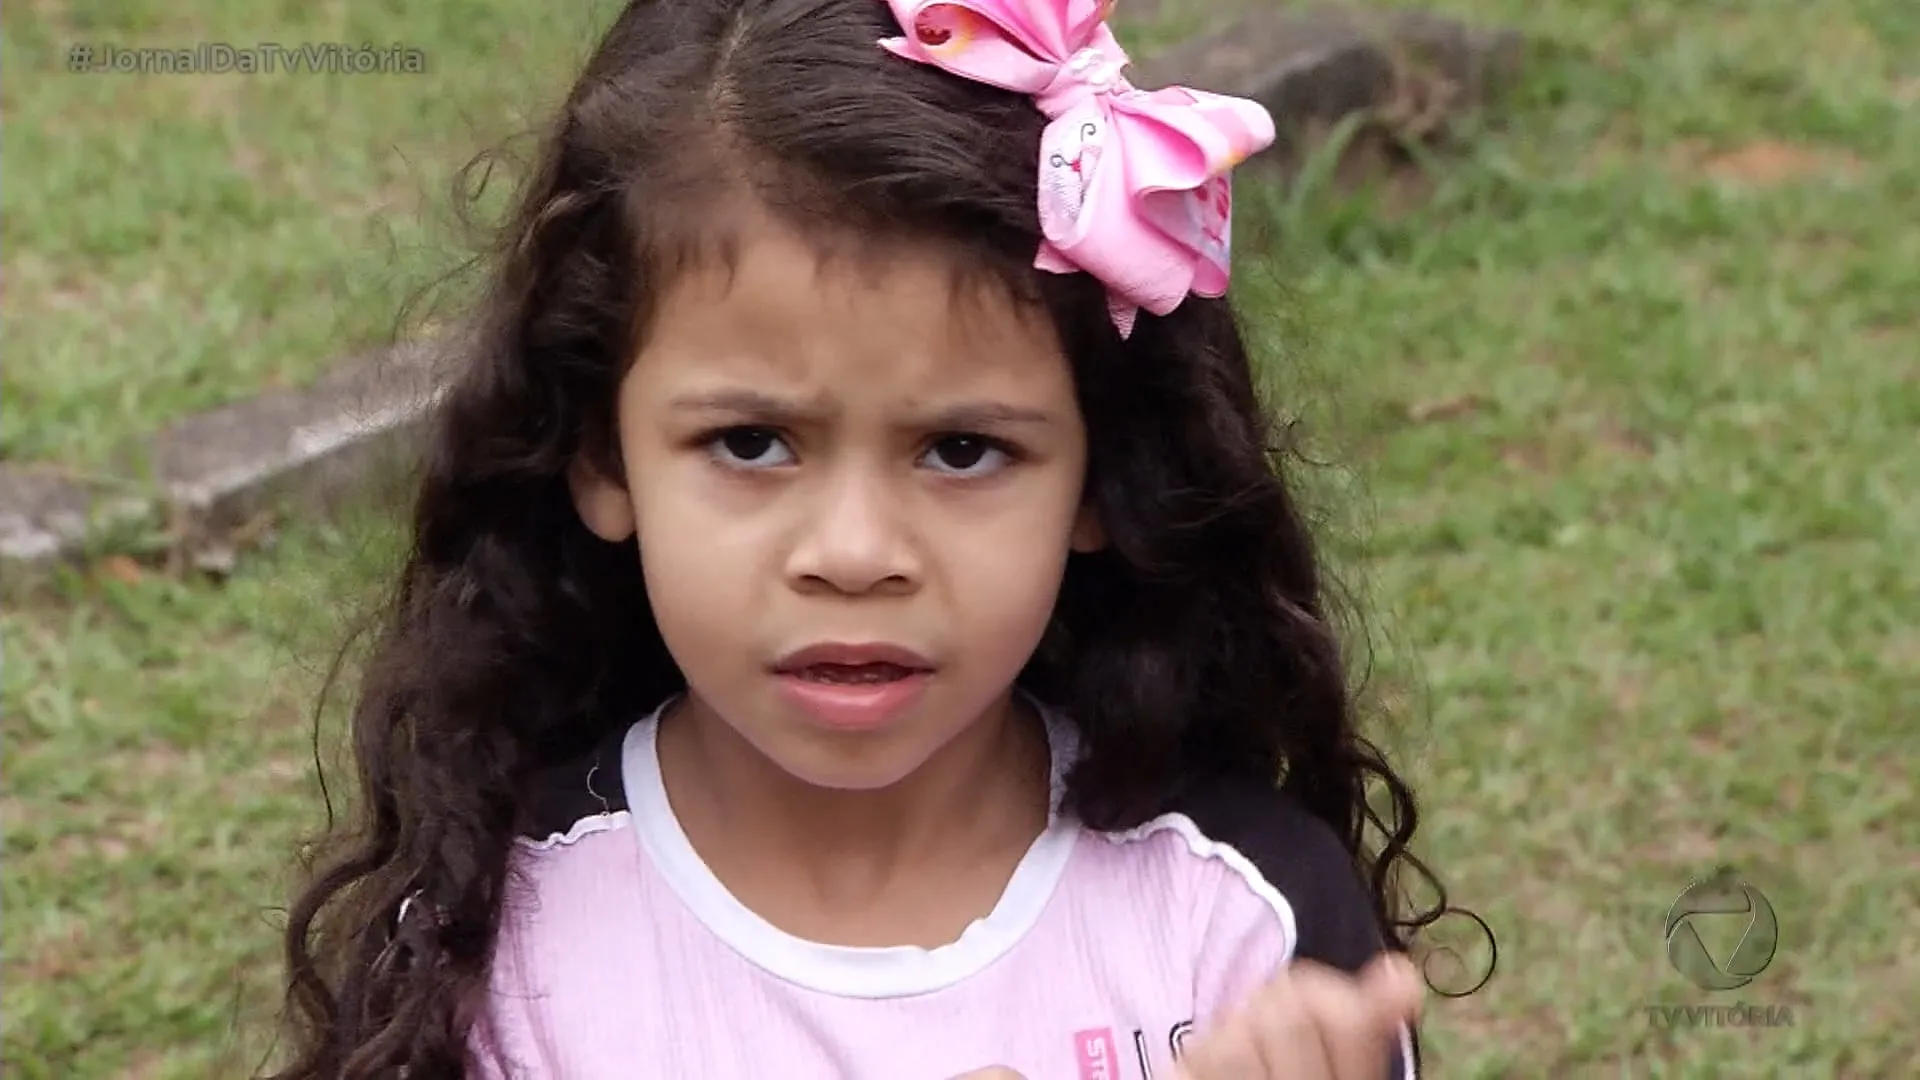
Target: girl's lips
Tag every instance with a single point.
(844, 655)
(852, 675)
(854, 706)
(853, 687)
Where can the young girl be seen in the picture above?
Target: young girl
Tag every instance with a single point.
(854, 626)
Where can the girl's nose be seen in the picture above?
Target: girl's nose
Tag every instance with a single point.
(855, 540)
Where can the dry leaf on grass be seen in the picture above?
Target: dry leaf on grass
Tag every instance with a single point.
(1447, 408)
(121, 568)
(1769, 162)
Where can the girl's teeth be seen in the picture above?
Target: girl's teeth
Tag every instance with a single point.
(860, 673)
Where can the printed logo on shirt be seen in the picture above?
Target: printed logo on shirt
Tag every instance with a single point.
(1098, 1052)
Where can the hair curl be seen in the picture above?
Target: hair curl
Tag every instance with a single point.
(1198, 645)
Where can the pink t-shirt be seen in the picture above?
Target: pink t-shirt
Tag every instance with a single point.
(621, 955)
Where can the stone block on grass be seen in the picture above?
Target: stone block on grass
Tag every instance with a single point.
(1411, 74)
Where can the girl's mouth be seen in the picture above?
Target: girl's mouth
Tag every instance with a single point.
(841, 664)
(854, 674)
(854, 688)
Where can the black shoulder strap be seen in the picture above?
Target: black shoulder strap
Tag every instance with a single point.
(585, 787)
(1302, 858)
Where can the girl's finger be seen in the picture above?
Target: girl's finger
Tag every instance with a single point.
(1226, 1050)
(1228, 1055)
(1359, 1020)
(1270, 1037)
(1286, 1030)
(1346, 1024)
(1393, 983)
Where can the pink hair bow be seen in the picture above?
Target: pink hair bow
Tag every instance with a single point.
(1133, 183)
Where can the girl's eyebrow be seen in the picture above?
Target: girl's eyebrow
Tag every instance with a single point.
(754, 403)
(986, 414)
(770, 408)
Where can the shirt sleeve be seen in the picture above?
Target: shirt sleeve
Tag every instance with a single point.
(1245, 941)
(1286, 889)
(499, 1044)
(508, 1041)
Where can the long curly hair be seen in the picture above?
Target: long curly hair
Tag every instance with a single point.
(1199, 645)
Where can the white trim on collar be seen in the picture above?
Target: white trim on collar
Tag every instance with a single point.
(841, 970)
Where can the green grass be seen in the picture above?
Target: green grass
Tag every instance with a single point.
(1633, 405)
(159, 781)
(178, 241)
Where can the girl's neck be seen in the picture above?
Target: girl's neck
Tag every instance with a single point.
(834, 866)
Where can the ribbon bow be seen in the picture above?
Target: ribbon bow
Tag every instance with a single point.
(1133, 183)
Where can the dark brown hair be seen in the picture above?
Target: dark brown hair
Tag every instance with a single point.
(1198, 646)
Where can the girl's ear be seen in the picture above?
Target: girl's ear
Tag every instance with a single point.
(1087, 535)
(604, 507)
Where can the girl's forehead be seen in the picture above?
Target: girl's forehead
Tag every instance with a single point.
(770, 269)
(777, 304)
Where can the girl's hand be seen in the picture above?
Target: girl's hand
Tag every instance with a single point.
(1312, 1023)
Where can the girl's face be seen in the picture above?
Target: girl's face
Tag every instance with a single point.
(854, 500)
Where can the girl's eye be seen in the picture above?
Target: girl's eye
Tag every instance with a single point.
(749, 448)
(967, 455)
